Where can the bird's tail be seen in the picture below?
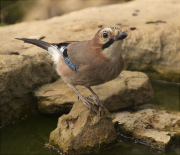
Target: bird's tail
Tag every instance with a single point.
(52, 49)
(36, 42)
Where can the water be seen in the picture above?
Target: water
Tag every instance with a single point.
(166, 95)
(29, 136)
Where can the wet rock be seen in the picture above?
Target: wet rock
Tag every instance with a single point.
(129, 89)
(17, 108)
(82, 131)
(156, 128)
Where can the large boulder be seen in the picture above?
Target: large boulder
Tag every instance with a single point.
(129, 89)
(50, 9)
(158, 129)
(82, 131)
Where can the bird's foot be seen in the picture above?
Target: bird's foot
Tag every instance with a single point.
(96, 102)
(88, 103)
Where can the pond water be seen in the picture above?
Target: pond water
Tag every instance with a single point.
(29, 136)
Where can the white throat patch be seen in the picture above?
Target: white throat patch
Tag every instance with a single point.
(113, 52)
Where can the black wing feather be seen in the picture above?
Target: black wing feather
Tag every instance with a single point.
(36, 42)
(66, 43)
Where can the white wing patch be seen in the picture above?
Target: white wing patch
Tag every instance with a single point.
(53, 50)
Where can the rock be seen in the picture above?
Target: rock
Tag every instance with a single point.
(156, 128)
(17, 109)
(129, 89)
(82, 131)
(20, 74)
(57, 8)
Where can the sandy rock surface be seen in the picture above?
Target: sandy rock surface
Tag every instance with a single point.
(152, 127)
(82, 131)
(129, 89)
(59, 7)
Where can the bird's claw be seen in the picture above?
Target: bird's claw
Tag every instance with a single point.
(93, 100)
(88, 103)
(96, 102)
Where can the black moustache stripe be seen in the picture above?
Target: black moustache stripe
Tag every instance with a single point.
(106, 45)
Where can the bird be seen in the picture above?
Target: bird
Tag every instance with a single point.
(87, 63)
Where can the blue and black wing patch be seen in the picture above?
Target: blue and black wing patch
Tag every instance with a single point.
(72, 66)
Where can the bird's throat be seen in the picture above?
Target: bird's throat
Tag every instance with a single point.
(113, 52)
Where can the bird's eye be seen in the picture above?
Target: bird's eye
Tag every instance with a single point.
(105, 35)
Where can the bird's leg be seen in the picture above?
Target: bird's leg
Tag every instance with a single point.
(95, 98)
(83, 99)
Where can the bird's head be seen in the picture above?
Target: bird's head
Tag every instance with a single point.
(109, 39)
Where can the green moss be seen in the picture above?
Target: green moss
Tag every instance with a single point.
(13, 11)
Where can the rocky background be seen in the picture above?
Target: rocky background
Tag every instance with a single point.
(152, 46)
(27, 10)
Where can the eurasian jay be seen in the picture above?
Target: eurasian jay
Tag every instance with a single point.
(87, 63)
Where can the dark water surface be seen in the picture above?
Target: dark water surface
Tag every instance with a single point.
(29, 136)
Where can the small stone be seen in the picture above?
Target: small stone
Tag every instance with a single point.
(14, 53)
(100, 26)
(132, 28)
(134, 14)
(160, 21)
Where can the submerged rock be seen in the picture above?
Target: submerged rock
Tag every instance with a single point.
(156, 128)
(82, 131)
(129, 89)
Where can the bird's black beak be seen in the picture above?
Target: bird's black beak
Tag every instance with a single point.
(121, 36)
